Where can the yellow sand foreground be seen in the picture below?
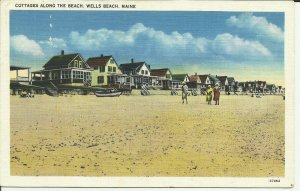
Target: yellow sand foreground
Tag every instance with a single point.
(147, 136)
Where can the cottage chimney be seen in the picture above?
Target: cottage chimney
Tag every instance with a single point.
(62, 52)
(195, 73)
(101, 55)
(132, 61)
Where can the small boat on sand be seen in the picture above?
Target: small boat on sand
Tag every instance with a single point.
(107, 93)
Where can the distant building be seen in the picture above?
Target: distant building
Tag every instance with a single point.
(224, 85)
(181, 77)
(164, 78)
(232, 84)
(105, 71)
(260, 86)
(214, 80)
(270, 88)
(177, 80)
(205, 80)
(64, 69)
(139, 72)
(194, 81)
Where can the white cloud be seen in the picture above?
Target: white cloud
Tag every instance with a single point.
(136, 34)
(259, 25)
(233, 45)
(145, 39)
(21, 44)
(54, 43)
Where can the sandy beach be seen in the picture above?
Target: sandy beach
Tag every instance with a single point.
(153, 135)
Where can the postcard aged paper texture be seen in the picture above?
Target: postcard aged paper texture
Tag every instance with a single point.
(147, 94)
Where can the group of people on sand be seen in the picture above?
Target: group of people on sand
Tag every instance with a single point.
(211, 93)
(216, 93)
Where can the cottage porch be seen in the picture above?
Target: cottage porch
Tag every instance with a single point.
(19, 74)
(62, 76)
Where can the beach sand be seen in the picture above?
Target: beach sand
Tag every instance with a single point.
(153, 135)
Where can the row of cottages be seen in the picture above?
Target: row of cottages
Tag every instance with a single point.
(202, 81)
(104, 71)
(257, 86)
(101, 71)
(227, 84)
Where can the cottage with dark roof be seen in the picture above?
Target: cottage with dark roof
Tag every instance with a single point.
(64, 69)
(223, 83)
(260, 86)
(105, 71)
(181, 77)
(139, 72)
(271, 88)
(205, 80)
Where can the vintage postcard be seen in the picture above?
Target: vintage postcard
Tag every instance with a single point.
(147, 94)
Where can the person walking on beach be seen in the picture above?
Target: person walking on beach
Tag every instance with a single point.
(217, 94)
(209, 92)
(184, 89)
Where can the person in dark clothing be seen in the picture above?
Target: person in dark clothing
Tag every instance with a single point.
(217, 94)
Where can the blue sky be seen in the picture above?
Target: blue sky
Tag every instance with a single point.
(248, 46)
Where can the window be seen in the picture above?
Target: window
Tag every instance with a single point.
(80, 64)
(102, 69)
(146, 71)
(55, 75)
(109, 68)
(111, 61)
(114, 69)
(66, 74)
(142, 71)
(96, 67)
(109, 80)
(63, 74)
(76, 63)
(100, 79)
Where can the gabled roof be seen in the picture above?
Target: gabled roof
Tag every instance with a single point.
(61, 60)
(133, 66)
(222, 79)
(261, 83)
(203, 78)
(160, 72)
(270, 86)
(98, 61)
(242, 84)
(194, 78)
(213, 79)
(180, 77)
(230, 80)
